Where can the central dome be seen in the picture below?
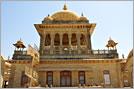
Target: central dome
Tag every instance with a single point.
(65, 15)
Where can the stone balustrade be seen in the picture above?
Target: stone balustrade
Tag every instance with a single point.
(70, 54)
(88, 54)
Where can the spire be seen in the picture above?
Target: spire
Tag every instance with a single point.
(65, 7)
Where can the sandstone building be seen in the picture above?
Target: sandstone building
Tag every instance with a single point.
(66, 57)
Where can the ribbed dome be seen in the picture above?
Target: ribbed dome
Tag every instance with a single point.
(65, 15)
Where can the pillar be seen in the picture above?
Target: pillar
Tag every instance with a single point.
(69, 36)
(75, 80)
(61, 35)
(42, 78)
(78, 43)
(42, 44)
(89, 41)
(56, 78)
(52, 43)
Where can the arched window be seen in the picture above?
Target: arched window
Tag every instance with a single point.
(82, 39)
(57, 39)
(73, 39)
(47, 40)
(65, 39)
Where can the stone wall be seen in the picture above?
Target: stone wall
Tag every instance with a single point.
(93, 71)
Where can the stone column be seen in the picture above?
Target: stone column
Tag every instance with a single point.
(61, 35)
(75, 80)
(69, 36)
(78, 43)
(56, 78)
(89, 39)
(42, 78)
(42, 44)
(52, 44)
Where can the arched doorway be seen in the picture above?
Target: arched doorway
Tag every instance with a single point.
(65, 78)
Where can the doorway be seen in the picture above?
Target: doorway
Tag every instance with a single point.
(65, 78)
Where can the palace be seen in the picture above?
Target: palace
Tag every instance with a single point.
(66, 58)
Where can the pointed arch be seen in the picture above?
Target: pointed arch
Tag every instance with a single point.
(73, 39)
(65, 39)
(82, 39)
(57, 39)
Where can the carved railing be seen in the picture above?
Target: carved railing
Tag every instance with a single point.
(21, 55)
(70, 54)
(84, 51)
(20, 52)
(74, 54)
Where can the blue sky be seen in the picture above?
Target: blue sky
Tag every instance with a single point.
(113, 18)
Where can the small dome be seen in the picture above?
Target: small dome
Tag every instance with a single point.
(48, 18)
(83, 18)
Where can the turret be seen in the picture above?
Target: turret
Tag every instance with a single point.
(19, 45)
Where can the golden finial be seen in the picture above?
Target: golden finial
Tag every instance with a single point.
(65, 7)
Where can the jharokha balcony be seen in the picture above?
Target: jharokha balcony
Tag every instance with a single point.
(69, 54)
